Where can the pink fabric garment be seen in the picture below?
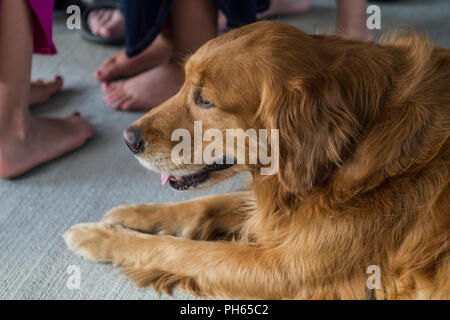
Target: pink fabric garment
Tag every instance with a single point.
(42, 25)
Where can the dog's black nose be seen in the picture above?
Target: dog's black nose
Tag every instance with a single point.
(133, 140)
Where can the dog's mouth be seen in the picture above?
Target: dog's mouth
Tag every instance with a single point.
(191, 181)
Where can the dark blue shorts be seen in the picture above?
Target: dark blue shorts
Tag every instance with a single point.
(145, 18)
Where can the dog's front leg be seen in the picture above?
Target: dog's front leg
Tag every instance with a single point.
(221, 268)
(205, 218)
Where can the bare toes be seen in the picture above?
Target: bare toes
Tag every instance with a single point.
(120, 104)
(105, 32)
(46, 139)
(84, 130)
(109, 71)
(113, 89)
(108, 87)
(128, 105)
(41, 91)
(99, 19)
(114, 27)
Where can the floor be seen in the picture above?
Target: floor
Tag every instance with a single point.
(37, 208)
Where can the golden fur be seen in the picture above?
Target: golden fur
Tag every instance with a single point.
(363, 180)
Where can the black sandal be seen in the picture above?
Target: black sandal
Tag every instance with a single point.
(86, 32)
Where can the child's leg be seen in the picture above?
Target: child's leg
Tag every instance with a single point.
(26, 141)
(152, 87)
(189, 36)
(351, 19)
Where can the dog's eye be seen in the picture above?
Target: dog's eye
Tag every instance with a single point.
(201, 101)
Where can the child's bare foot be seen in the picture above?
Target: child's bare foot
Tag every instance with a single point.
(41, 90)
(120, 66)
(42, 140)
(146, 90)
(107, 23)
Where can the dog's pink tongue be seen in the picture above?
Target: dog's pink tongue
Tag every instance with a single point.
(164, 178)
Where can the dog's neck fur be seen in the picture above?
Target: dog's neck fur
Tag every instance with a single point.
(372, 160)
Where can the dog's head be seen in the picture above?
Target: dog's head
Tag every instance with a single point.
(272, 76)
(266, 75)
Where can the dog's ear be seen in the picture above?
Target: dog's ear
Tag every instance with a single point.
(316, 131)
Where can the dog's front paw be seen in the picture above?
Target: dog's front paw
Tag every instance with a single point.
(93, 241)
(144, 218)
(127, 216)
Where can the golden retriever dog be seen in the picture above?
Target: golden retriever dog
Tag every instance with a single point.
(362, 184)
